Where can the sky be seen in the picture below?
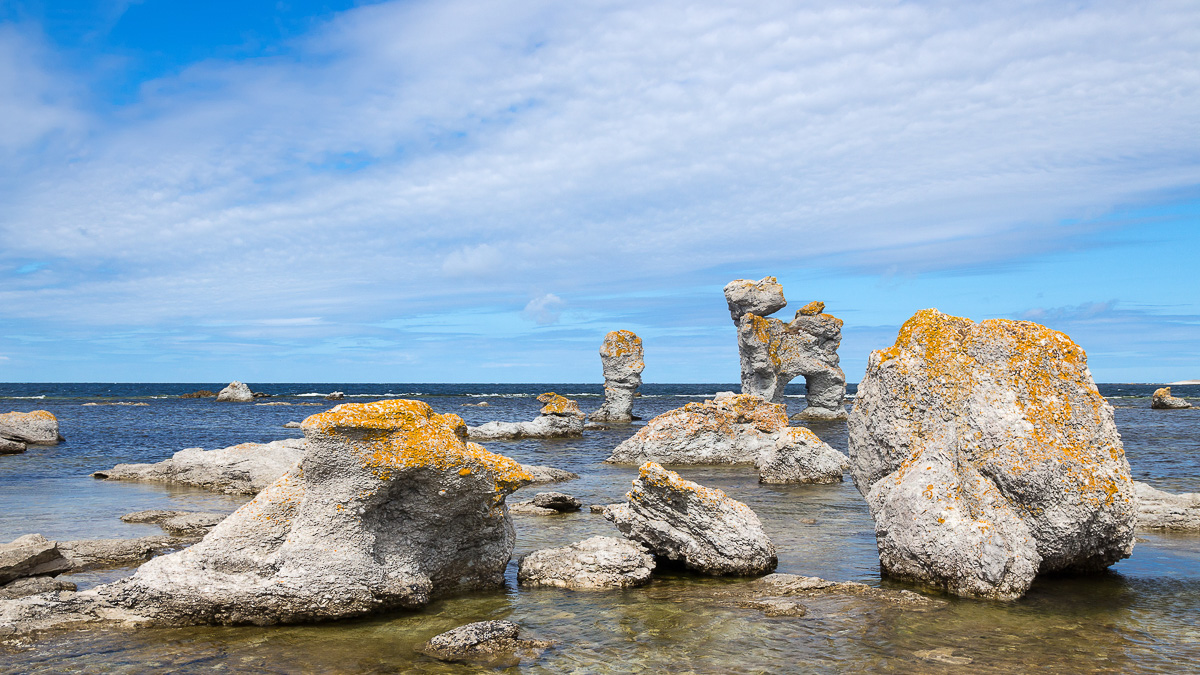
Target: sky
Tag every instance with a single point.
(465, 191)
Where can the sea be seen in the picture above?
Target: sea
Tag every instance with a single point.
(1140, 616)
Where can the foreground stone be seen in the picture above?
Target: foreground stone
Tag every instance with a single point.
(240, 469)
(30, 555)
(1158, 510)
(32, 586)
(236, 392)
(178, 523)
(560, 417)
(39, 427)
(987, 456)
(621, 357)
(800, 457)
(698, 527)
(774, 353)
(1163, 400)
(494, 643)
(598, 562)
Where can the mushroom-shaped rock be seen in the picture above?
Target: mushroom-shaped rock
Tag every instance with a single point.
(39, 427)
(1159, 510)
(598, 562)
(1163, 400)
(774, 353)
(698, 527)
(243, 469)
(554, 404)
(729, 429)
(622, 359)
(236, 392)
(987, 455)
(495, 643)
(389, 508)
(800, 457)
(762, 297)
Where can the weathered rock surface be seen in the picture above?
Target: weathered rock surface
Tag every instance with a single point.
(1163, 400)
(96, 554)
(526, 508)
(987, 455)
(730, 429)
(1159, 510)
(548, 474)
(178, 523)
(800, 457)
(8, 447)
(495, 643)
(30, 555)
(39, 427)
(556, 500)
(240, 469)
(32, 586)
(556, 404)
(542, 426)
(236, 392)
(774, 353)
(698, 527)
(291, 425)
(621, 357)
(598, 562)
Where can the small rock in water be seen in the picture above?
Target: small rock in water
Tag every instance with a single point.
(274, 403)
(236, 392)
(597, 508)
(203, 393)
(39, 427)
(116, 403)
(526, 508)
(8, 447)
(494, 643)
(598, 562)
(777, 607)
(291, 425)
(1163, 400)
(556, 500)
(336, 396)
(621, 357)
(1158, 510)
(481, 404)
(944, 655)
(548, 474)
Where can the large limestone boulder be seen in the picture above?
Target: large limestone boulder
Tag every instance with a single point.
(1163, 400)
(1159, 510)
(598, 562)
(698, 527)
(621, 357)
(39, 427)
(245, 469)
(800, 457)
(389, 508)
(729, 429)
(774, 353)
(987, 456)
(236, 392)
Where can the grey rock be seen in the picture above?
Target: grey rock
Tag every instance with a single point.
(1163, 400)
(598, 562)
(800, 457)
(335, 396)
(622, 359)
(240, 469)
(8, 447)
(777, 607)
(495, 643)
(30, 555)
(548, 474)
(39, 427)
(274, 403)
(291, 425)
(1159, 510)
(117, 403)
(32, 586)
(542, 426)
(481, 404)
(236, 392)
(96, 554)
(598, 508)
(556, 500)
(698, 527)
(987, 456)
(178, 523)
(526, 508)
(763, 297)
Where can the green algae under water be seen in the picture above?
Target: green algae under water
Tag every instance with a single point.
(1141, 616)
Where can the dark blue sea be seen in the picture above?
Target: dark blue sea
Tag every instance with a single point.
(1141, 616)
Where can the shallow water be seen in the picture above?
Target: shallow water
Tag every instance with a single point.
(1139, 617)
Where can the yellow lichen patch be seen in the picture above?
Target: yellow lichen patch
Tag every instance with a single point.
(400, 434)
(652, 473)
(620, 343)
(811, 309)
(1162, 392)
(804, 435)
(558, 405)
(35, 414)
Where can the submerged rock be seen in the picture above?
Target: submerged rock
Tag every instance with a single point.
(598, 562)
(240, 469)
(39, 427)
(774, 353)
(622, 359)
(1158, 510)
(203, 393)
(698, 527)
(800, 457)
(30, 555)
(495, 643)
(236, 392)
(1163, 400)
(987, 456)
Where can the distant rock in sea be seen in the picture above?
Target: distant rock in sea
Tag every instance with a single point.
(560, 417)
(236, 392)
(1163, 400)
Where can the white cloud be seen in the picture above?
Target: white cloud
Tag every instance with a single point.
(544, 309)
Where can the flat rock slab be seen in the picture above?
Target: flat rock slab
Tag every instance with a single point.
(96, 554)
(494, 643)
(1158, 510)
(240, 469)
(30, 555)
(39, 427)
(178, 523)
(542, 426)
(595, 563)
(548, 474)
(32, 586)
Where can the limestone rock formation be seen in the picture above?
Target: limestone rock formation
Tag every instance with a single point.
(698, 527)
(1163, 400)
(389, 508)
(729, 429)
(622, 359)
(1158, 510)
(236, 392)
(39, 427)
(492, 643)
(30, 555)
(598, 562)
(98, 554)
(773, 353)
(555, 404)
(987, 455)
(177, 523)
(240, 469)
(800, 457)
(560, 417)
(548, 474)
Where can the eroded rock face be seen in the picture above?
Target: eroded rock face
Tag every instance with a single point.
(598, 562)
(730, 429)
(1159, 510)
(39, 427)
(699, 527)
(555, 404)
(493, 643)
(622, 359)
(236, 392)
(30, 555)
(244, 469)
(388, 508)
(774, 353)
(987, 455)
(1163, 400)
(800, 457)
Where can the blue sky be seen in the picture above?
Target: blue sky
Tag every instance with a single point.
(476, 192)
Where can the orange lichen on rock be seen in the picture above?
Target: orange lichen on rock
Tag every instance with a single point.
(811, 309)
(558, 405)
(621, 342)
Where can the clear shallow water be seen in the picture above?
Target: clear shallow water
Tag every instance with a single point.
(1142, 616)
